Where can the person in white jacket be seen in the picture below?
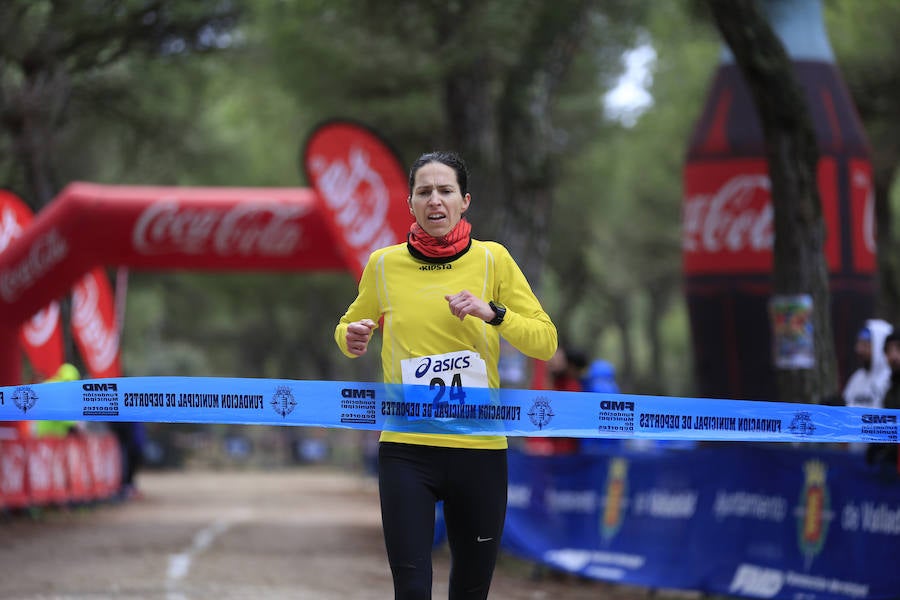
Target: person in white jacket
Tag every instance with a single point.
(867, 385)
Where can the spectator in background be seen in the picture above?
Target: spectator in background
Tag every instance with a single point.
(600, 378)
(27, 429)
(867, 385)
(565, 369)
(891, 346)
(887, 453)
(132, 438)
(869, 381)
(66, 372)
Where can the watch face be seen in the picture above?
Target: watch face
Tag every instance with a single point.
(499, 313)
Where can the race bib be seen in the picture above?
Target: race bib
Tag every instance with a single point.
(447, 377)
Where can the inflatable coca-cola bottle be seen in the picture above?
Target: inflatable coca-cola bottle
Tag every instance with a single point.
(727, 224)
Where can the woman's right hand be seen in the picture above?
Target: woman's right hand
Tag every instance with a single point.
(358, 335)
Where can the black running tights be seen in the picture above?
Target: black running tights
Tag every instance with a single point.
(472, 484)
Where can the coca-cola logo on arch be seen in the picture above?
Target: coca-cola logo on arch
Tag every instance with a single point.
(10, 226)
(44, 254)
(249, 228)
(14, 216)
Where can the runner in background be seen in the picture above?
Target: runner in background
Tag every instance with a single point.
(66, 372)
(444, 299)
(566, 370)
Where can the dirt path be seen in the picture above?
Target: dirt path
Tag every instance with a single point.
(299, 534)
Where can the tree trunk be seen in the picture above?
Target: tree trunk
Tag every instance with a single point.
(32, 113)
(622, 317)
(792, 156)
(507, 136)
(658, 296)
(473, 132)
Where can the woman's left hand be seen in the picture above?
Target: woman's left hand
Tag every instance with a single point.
(466, 303)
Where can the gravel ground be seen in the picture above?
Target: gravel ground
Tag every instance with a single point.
(305, 533)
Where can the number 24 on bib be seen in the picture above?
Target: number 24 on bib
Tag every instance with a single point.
(447, 376)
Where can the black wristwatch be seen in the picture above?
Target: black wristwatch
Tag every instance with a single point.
(499, 313)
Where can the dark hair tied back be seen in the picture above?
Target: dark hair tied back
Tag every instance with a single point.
(445, 157)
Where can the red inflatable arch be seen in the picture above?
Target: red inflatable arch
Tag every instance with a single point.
(357, 203)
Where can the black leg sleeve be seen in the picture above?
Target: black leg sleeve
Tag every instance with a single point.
(474, 511)
(406, 488)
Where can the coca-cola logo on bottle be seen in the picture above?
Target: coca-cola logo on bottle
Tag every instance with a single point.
(46, 252)
(87, 319)
(249, 228)
(357, 196)
(736, 218)
(863, 182)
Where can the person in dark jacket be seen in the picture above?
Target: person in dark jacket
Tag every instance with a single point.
(887, 453)
(892, 354)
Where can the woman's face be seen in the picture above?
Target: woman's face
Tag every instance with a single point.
(436, 201)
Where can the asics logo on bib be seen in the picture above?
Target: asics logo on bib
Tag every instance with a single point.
(440, 366)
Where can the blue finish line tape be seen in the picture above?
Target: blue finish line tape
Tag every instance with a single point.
(420, 409)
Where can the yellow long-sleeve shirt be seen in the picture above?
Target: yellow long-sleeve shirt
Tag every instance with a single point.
(409, 294)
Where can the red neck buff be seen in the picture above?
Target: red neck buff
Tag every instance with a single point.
(455, 242)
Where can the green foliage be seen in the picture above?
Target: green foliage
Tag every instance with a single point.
(864, 38)
(231, 103)
(239, 325)
(67, 65)
(616, 231)
(867, 49)
(387, 72)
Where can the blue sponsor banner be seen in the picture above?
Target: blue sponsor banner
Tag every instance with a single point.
(755, 521)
